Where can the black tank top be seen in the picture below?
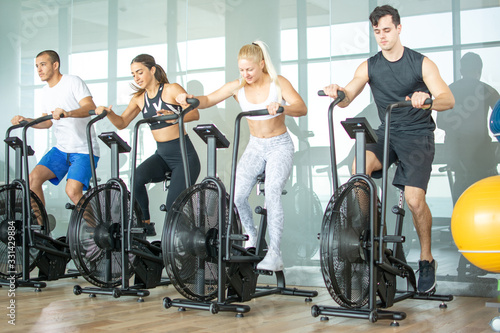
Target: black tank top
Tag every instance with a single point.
(391, 82)
(152, 105)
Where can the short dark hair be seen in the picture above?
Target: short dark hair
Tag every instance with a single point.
(54, 57)
(382, 11)
(471, 64)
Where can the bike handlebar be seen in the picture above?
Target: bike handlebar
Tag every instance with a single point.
(406, 103)
(262, 112)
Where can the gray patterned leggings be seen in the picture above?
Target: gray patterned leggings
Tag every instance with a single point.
(274, 155)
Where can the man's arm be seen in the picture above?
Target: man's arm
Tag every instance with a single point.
(17, 119)
(353, 88)
(443, 98)
(86, 104)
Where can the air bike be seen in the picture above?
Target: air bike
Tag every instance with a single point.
(202, 240)
(359, 267)
(25, 240)
(107, 235)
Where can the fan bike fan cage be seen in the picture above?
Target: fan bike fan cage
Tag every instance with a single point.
(190, 242)
(95, 236)
(345, 259)
(11, 215)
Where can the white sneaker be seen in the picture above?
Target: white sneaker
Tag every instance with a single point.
(271, 262)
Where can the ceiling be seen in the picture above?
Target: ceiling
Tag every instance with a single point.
(148, 22)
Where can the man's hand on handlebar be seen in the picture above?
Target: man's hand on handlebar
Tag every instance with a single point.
(17, 119)
(332, 90)
(418, 99)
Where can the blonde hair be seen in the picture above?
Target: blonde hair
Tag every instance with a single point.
(257, 51)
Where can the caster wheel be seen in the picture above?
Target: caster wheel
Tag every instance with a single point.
(495, 324)
(116, 293)
(394, 324)
(315, 311)
(167, 302)
(140, 300)
(214, 308)
(92, 296)
(443, 306)
(373, 317)
(77, 290)
(325, 318)
(308, 300)
(182, 309)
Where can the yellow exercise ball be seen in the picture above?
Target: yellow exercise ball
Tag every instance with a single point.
(475, 224)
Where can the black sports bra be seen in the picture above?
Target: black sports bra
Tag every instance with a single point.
(152, 105)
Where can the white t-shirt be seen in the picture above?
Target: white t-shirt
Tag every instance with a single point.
(70, 133)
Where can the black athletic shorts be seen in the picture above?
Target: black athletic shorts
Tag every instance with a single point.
(415, 154)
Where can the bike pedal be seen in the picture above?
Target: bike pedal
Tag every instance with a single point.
(263, 272)
(429, 293)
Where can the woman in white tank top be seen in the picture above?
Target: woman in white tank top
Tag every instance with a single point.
(270, 147)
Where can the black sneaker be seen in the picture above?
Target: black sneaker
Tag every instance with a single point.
(150, 229)
(427, 276)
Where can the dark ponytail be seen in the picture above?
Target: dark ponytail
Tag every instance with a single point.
(149, 61)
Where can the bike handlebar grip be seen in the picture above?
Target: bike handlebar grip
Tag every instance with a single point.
(262, 112)
(102, 115)
(23, 122)
(408, 103)
(340, 94)
(194, 102)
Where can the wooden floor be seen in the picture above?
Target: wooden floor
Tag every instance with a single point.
(57, 309)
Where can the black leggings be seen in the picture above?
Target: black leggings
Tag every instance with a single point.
(166, 158)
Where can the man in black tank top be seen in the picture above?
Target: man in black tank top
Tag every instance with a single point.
(394, 74)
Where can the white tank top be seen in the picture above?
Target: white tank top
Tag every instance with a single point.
(247, 106)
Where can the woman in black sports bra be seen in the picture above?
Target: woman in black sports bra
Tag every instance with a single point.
(154, 96)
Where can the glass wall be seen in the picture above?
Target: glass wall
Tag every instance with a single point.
(312, 43)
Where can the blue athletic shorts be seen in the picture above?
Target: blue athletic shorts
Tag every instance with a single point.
(77, 166)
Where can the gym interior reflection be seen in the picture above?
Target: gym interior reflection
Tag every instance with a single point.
(313, 43)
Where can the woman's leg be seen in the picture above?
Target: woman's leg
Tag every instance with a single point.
(250, 165)
(152, 170)
(174, 162)
(279, 162)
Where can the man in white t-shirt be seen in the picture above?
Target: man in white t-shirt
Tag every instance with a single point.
(69, 100)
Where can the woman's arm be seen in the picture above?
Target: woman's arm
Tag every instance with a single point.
(295, 104)
(123, 120)
(169, 95)
(224, 92)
